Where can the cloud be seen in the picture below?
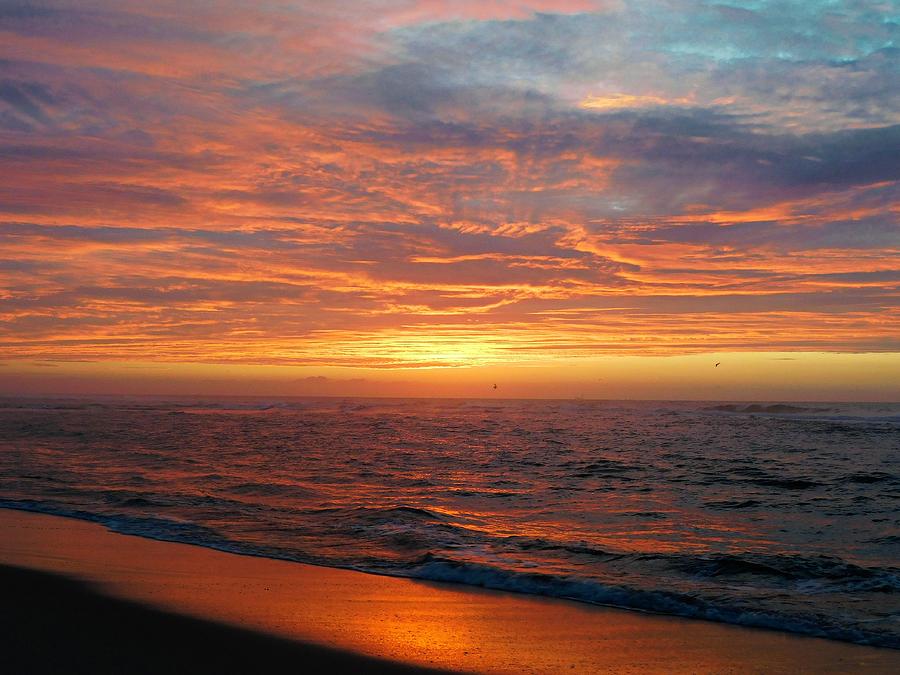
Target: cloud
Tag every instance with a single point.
(426, 183)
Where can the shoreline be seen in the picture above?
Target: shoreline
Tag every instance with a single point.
(391, 620)
(228, 549)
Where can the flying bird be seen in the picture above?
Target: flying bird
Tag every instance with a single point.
(495, 386)
(717, 365)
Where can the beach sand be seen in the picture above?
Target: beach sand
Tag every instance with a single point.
(150, 606)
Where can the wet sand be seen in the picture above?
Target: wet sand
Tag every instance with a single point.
(51, 624)
(180, 608)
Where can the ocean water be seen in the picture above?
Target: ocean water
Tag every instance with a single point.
(771, 515)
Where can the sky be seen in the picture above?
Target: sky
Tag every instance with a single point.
(413, 197)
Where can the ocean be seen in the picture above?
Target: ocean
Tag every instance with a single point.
(770, 515)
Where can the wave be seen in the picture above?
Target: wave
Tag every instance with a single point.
(372, 515)
(435, 568)
(773, 409)
(256, 489)
(820, 574)
(784, 483)
(886, 415)
(738, 504)
(822, 568)
(868, 478)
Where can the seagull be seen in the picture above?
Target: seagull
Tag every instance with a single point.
(717, 365)
(495, 386)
